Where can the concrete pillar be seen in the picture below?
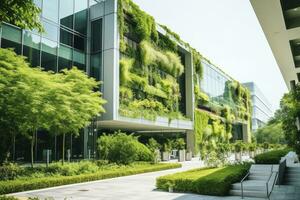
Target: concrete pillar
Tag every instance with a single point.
(190, 141)
(246, 133)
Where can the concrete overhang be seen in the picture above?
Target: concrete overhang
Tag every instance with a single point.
(271, 19)
(140, 124)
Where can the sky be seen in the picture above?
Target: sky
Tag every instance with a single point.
(228, 34)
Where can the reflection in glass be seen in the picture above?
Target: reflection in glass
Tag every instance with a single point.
(11, 38)
(96, 35)
(96, 63)
(51, 31)
(50, 10)
(66, 37)
(31, 48)
(79, 60)
(66, 13)
(65, 57)
(81, 16)
(79, 43)
(49, 52)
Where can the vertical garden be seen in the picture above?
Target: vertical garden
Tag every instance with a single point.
(152, 72)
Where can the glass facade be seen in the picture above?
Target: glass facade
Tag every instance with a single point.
(261, 108)
(214, 83)
(63, 44)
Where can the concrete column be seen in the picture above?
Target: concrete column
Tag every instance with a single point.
(190, 141)
(246, 133)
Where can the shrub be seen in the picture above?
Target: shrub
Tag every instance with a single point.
(179, 144)
(8, 198)
(123, 149)
(271, 157)
(207, 181)
(10, 171)
(38, 183)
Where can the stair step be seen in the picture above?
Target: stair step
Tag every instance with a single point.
(296, 183)
(255, 177)
(251, 185)
(258, 194)
(293, 169)
(295, 179)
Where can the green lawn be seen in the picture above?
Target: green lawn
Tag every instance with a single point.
(43, 179)
(208, 181)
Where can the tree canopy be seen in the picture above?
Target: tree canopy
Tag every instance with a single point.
(22, 13)
(32, 99)
(289, 111)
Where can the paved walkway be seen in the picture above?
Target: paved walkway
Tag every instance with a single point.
(135, 187)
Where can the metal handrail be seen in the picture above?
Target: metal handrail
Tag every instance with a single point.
(275, 179)
(242, 187)
(267, 183)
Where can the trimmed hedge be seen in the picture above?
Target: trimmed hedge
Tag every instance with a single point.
(206, 181)
(271, 157)
(20, 185)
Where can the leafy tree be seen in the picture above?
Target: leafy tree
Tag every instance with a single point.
(24, 105)
(32, 99)
(271, 133)
(22, 13)
(289, 111)
(77, 101)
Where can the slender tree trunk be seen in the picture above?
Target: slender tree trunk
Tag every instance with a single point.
(63, 149)
(14, 147)
(32, 147)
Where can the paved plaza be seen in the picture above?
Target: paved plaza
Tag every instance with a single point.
(135, 187)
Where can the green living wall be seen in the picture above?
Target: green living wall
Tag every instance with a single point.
(150, 66)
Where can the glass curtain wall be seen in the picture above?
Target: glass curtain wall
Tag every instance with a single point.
(61, 46)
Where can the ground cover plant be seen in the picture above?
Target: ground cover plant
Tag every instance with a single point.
(271, 157)
(207, 181)
(57, 174)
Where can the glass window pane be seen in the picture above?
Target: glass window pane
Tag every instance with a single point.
(81, 16)
(49, 55)
(66, 13)
(79, 43)
(96, 65)
(96, 35)
(66, 37)
(51, 31)
(50, 10)
(65, 57)
(79, 60)
(31, 48)
(11, 38)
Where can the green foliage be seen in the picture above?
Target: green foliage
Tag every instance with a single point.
(8, 198)
(22, 13)
(289, 111)
(32, 99)
(179, 144)
(238, 146)
(125, 66)
(122, 149)
(166, 61)
(30, 183)
(153, 145)
(10, 171)
(271, 157)
(197, 180)
(210, 133)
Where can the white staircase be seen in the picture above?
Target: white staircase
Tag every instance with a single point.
(292, 176)
(258, 182)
